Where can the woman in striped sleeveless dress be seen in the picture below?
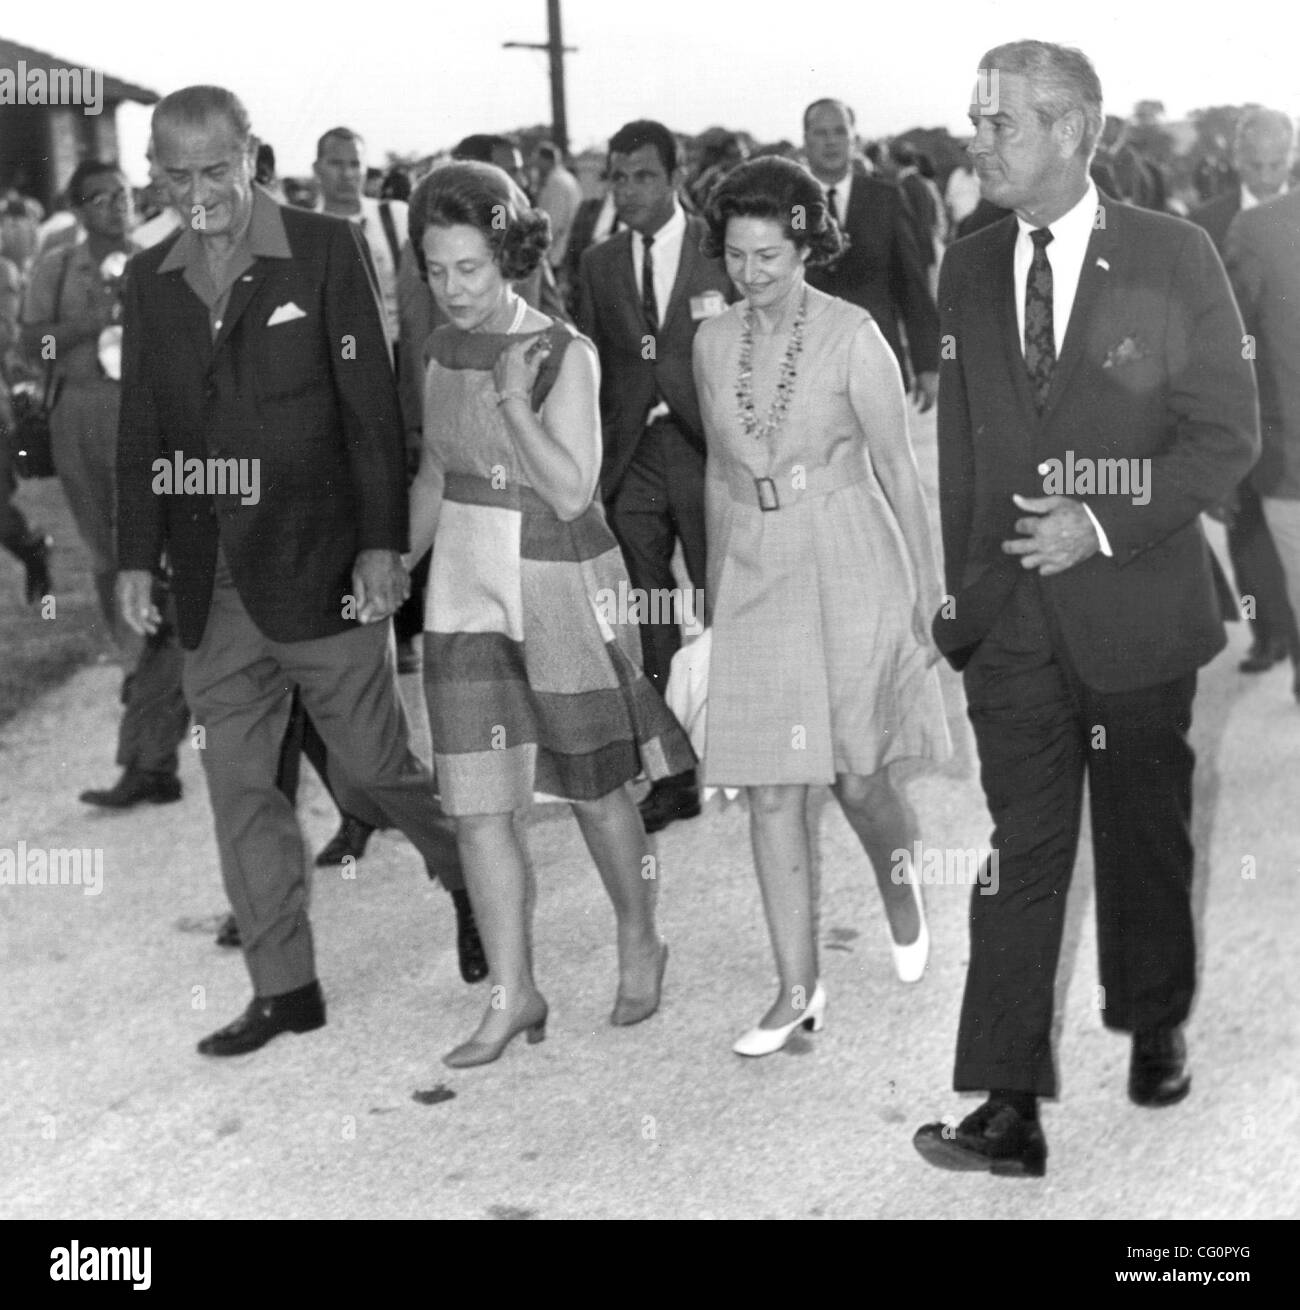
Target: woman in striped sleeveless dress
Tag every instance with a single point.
(529, 687)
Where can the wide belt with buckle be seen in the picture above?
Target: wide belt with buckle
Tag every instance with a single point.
(783, 490)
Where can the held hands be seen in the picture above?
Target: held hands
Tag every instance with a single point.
(517, 367)
(380, 584)
(1058, 534)
(135, 601)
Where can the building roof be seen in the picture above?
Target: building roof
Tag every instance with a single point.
(114, 88)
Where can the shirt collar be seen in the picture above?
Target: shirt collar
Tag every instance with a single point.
(1249, 199)
(673, 229)
(1074, 227)
(265, 237)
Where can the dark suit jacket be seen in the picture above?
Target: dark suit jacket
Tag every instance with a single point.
(324, 428)
(883, 271)
(1151, 368)
(609, 312)
(1263, 257)
(1216, 216)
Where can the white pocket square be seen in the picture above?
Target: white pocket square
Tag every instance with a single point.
(286, 314)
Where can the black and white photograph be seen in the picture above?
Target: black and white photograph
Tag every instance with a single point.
(657, 614)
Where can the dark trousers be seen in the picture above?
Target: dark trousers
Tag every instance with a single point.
(239, 685)
(301, 738)
(156, 716)
(660, 502)
(1040, 731)
(1259, 573)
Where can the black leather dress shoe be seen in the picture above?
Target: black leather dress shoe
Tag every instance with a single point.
(228, 932)
(1157, 1071)
(1262, 656)
(469, 946)
(665, 805)
(995, 1138)
(350, 840)
(135, 786)
(299, 1011)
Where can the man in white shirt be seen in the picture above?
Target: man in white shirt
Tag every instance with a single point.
(642, 295)
(340, 169)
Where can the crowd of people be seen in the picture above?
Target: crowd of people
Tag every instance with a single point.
(472, 412)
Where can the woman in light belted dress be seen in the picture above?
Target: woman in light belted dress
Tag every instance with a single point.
(822, 576)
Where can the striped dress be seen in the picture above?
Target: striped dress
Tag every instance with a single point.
(530, 687)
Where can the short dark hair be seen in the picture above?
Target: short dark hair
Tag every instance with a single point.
(82, 174)
(546, 150)
(822, 103)
(485, 197)
(646, 132)
(481, 146)
(780, 190)
(196, 106)
(339, 134)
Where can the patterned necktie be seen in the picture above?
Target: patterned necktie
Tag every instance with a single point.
(1040, 334)
(832, 204)
(649, 302)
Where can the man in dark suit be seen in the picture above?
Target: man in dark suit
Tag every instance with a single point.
(1263, 257)
(642, 295)
(260, 450)
(1261, 156)
(882, 270)
(1095, 403)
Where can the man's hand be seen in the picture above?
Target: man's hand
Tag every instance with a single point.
(925, 391)
(380, 584)
(1058, 534)
(135, 600)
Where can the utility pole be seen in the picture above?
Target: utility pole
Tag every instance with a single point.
(556, 49)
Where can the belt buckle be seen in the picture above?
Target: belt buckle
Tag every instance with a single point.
(767, 497)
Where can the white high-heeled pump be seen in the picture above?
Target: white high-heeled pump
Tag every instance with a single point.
(910, 960)
(767, 1041)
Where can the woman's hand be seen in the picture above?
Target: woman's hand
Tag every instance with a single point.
(517, 367)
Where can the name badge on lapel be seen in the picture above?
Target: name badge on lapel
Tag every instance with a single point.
(709, 305)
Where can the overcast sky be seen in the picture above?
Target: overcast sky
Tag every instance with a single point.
(417, 77)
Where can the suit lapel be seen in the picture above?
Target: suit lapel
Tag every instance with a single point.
(192, 316)
(1008, 320)
(621, 283)
(246, 286)
(685, 272)
(1094, 279)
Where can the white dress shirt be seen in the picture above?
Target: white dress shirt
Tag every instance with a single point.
(843, 189)
(1065, 252)
(666, 255)
(1070, 236)
(1249, 199)
(371, 223)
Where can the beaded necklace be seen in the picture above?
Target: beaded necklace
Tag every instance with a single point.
(784, 382)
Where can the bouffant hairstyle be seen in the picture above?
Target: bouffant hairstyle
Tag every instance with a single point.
(780, 190)
(481, 196)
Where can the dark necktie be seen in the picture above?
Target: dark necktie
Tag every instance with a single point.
(832, 204)
(1040, 334)
(649, 302)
